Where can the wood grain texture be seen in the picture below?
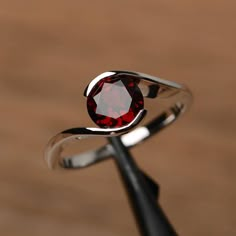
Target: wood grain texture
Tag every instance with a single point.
(50, 50)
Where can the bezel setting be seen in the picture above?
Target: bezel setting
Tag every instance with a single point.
(114, 100)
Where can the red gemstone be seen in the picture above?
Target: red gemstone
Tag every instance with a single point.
(115, 101)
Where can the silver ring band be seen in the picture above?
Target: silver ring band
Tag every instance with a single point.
(177, 96)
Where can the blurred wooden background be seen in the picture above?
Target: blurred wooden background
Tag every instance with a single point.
(50, 50)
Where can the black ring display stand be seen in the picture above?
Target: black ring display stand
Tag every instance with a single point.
(142, 192)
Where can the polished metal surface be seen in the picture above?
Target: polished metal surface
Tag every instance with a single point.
(177, 96)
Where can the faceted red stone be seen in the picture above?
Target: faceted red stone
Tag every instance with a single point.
(115, 101)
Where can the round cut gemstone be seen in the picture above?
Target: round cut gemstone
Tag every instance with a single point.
(115, 101)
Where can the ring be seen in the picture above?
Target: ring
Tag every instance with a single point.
(115, 102)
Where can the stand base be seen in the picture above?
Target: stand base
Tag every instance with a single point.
(142, 193)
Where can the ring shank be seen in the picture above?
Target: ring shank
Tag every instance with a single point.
(177, 96)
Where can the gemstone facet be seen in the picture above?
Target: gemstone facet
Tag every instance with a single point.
(115, 101)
